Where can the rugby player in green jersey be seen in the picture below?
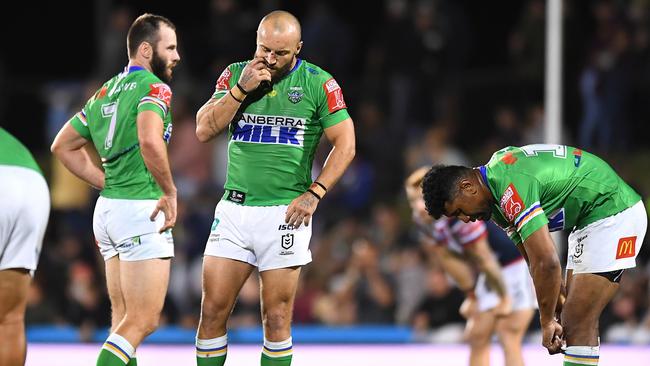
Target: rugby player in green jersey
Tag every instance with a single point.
(128, 122)
(24, 211)
(275, 109)
(532, 190)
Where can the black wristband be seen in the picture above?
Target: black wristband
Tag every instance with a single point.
(241, 89)
(234, 97)
(321, 185)
(314, 193)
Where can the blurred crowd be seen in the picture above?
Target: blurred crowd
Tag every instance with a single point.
(419, 93)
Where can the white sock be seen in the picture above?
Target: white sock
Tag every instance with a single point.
(278, 349)
(215, 347)
(583, 355)
(119, 346)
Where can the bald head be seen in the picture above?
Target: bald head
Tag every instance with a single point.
(280, 22)
(278, 42)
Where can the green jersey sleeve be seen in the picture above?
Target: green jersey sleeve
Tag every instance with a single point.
(157, 99)
(331, 105)
(228, 79)
(520, 204)
(80, 124)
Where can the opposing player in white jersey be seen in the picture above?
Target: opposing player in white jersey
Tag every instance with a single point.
(275, 109)
(501, 300)
(129, 123)
(24, 211)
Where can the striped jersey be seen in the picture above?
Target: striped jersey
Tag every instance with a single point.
(109, 120)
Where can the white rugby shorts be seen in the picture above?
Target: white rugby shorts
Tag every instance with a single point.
(608, 244)
(259, 236)
(122, 227)
(24, 212)
(519, 286)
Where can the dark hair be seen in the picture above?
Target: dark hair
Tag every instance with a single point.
(145, 29)
(440, 185)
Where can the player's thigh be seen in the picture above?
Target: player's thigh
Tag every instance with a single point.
(114, 287)
(279, 287)
(144, 284)
(480, 326)
(223, 278)
(587, 296)
(14, 284)
(515, 324)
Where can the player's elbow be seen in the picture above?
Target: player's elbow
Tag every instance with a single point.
(56, 148)
(149, 144)
(203, 133)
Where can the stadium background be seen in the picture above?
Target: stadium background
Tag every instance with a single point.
(425, 82)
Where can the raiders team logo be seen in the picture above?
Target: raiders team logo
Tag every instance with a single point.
(295, 96)
(287, 241)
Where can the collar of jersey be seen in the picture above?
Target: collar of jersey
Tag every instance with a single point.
(483, 171)
(295, 67)
(131, 69)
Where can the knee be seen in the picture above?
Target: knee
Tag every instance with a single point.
(276, 318)
(144, 323)
(215, 310)
(578, 324)
(13, 317)
(478, 337)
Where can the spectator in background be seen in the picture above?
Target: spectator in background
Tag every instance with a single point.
(436, 318)
(604, 83)
(366, 286)
(527, 47)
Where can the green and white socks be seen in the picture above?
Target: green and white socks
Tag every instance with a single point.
(211, 352)
(277, 353)
(116, 351)
(581, 355)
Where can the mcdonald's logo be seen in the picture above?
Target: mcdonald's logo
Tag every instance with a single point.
(626, 247)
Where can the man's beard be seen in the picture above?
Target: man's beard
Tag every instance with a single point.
(280, 73)
(159, 68)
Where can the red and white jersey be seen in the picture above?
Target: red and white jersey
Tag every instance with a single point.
(453, 233)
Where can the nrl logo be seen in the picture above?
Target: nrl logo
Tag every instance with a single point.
(578, 250)
(295, 96)
(287, 241)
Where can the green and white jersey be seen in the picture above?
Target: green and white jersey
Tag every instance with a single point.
(558, 185)
(14, 153)
(273, 137)
(109, 121)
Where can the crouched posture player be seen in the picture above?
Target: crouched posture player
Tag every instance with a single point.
(533, 190)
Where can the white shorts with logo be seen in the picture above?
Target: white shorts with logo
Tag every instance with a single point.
(519, 286)
(258, 236)
(608, 244)
(123, 228)
(24, 212)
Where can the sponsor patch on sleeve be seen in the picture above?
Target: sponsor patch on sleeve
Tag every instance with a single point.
(334, 94)
(162, 92)
(223, 83)
(511, 203)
